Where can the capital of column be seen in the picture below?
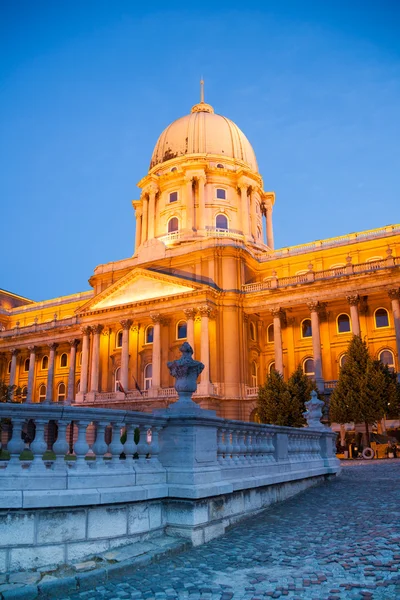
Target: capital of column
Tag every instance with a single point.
(201, 178)
(316, 306)
(205, 311)
(156, 317)
(126, 323)
(14, 351)
(190, 312)
(353, 300)
(73, 343)
(97, 328)
(53, 345)
(32, 348)
(188, 178)
(394, 294)
(86, 330)
(278, 312)
(243, 186)
(152, 188)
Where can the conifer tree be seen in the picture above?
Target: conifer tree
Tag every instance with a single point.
(360, 392)
(274, 400)
(300, 387)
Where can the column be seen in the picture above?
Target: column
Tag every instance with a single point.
(205, 313)
(190, 315)
(277, 313)
(31, 374)
(394, 296)
(71, 374)
(13, 372)
(138, 232)
(244, 208)
(156, 359)
(270, 233)
(94, 370)
(50, 373)
(85, 359)
(253, 214)
(144, 219)
(189, 202)
(355, 321)
(200, 222)
(126, 324)
(152, 211)
(315, 308)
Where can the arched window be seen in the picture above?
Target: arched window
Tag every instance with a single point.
(24, 393)
(221, 194)
(181, 330)
(253, 335)
(254, 374)
(173, 197)
(381, 318)
(387, 358)
(306, 329)
(270, 333)
(118, 339)
(173, 169)
(220, 166)
(117, 375)
(173, 225)
(343, 323)
(9, 367)
(308, 367)
(42, 393)
(221, 222)
(61, 392)
(149, 335)
(148, 376)
(270, 367)
(342, 360)
(64, 360)
(45, 363)
(26, 365)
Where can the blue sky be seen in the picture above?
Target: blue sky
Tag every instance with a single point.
(87, 86)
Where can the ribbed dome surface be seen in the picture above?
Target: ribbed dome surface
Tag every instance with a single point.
(203, 132)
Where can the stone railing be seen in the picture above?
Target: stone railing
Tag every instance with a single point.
(39, 327)
(251, 391)
(217, 232)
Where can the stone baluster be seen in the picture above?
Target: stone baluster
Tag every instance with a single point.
(100, 446)
(259, 447)
(115, 447)
(85, 359)
(95, 367)
(142, 448)
(71, 374)
(156, 357)
(126, 325)
(315, 309)
(13, 370)
(61, 446)
(229, 446)
(242, 446)
(50, 374)
(155, 444)
(235, 446)
(353, 302)
(278, 314)
(16, 445)
(271, 447)
(81, 447)
(190, 314)
(129, 446)
(221, 446)
(249, 443)
(31, 374)
(394, 295)
(39, 446)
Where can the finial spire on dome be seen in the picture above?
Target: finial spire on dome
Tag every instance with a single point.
(202, 106)
(202, 90)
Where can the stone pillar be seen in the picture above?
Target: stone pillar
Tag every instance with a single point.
(315, 309)
(253, 214)
(190, 315)
(13, 372)
(205, 313)
(201, 182)
(152, 211)
(355, 321)
(31, 374)
(270, 232)
(277, 314)
(126, 324)
(50, 374)
(244, 208)
(156, 359)
(189, 202)
(138, 232)
(394, 296)
(144, 219)
(85, 359)
(72, 370)
(94, 370)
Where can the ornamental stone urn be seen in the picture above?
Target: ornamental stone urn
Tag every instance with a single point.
(185, 370)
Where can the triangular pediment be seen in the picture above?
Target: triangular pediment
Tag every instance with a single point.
(137, 286)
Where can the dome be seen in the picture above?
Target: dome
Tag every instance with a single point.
(203, 132)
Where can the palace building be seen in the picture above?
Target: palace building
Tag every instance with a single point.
(205, 270)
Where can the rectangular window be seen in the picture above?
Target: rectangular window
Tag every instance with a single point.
(173, 197)
(221, 194)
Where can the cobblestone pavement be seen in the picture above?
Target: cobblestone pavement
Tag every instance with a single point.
(340, 540)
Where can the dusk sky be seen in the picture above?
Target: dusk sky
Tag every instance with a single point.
(87, 86)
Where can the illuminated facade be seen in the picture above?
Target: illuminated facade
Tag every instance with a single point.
(205, 270)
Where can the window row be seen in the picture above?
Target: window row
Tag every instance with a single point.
(221, 222)
(44, 363)
(181, 334)
(220, 193)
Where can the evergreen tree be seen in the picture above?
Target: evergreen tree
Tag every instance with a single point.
(360, 393)
(300, 387)
(274, 400)
(6, 392)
